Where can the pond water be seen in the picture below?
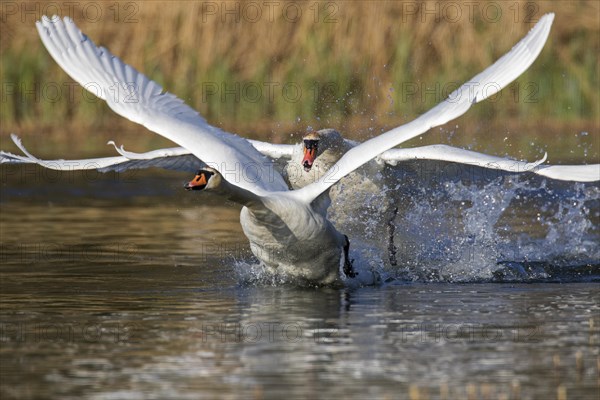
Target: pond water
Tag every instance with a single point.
(124, 286)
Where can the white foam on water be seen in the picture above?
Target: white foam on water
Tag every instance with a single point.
(483, 227)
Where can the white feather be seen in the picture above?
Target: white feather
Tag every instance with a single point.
(501, 73)
(135, 97)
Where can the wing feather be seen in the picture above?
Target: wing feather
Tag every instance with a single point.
(136, 97)
(490, 81)
(441, 152)
(173, 158)
(578, 173)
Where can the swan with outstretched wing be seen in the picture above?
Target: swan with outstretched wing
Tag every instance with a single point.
(139, 99)
(330, 148)
(288, 230)
(172, 158)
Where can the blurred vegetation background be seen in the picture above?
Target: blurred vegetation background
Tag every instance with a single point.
(271, 71)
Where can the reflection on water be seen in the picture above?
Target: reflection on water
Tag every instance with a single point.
(126, 287)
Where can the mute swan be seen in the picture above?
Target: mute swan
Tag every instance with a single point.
(288, 230)
(288, 236)
(326, 155)
(320, 150)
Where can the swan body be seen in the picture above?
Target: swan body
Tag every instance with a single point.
(290, 237)
(288, 231)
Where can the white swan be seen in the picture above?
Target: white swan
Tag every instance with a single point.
(322, 149)
(330, 147)
(287, 230)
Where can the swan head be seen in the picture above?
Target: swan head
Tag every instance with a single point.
(206, 178)
(319, 142)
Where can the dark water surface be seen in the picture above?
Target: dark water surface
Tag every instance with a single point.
(126, 287)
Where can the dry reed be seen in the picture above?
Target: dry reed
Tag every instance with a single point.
(346, 64)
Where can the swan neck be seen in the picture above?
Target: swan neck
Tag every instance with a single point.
(239, 195)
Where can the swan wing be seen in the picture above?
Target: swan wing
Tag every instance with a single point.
(577, 173)
(441, 152)
(189, 163)
(490, 81)
(176, 158)
(273, 151)
(134, 96)
(173, 158)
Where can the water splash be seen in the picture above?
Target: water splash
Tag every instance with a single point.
(462, 226)
(508, 229)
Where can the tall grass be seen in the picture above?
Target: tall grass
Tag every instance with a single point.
(346, 64)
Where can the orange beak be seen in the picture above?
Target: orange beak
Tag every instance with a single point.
(198, 183)
(309, 157)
